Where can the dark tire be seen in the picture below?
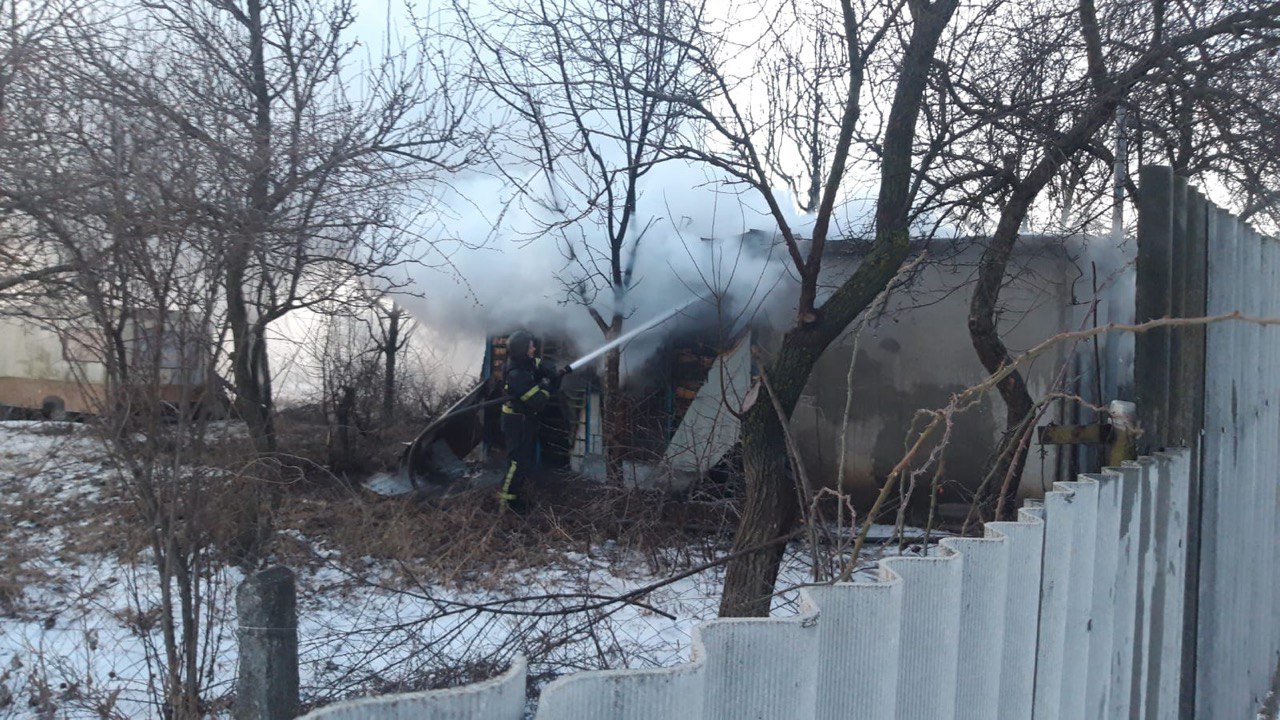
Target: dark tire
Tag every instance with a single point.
(53, 408)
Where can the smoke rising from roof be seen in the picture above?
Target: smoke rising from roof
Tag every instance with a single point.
(523, 257)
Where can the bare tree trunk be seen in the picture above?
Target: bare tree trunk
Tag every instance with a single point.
(614, 418)
(1009, 462)
(771, 509)
(189, 702)
(247, 358)
(340, 460)
(161, 548)
(248, 336)
(390, 349)
(983, 331)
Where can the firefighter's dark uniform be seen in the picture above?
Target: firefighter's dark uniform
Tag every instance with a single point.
(529, 382)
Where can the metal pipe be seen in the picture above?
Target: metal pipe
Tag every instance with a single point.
(1124, 433)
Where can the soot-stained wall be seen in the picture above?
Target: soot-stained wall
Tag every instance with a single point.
(918, 355)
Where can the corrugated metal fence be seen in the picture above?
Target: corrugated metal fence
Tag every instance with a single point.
(1147, 591)
(1216, 390)
(1072, 611)
(1238, 626)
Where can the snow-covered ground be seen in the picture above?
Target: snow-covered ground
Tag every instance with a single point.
(79, 635)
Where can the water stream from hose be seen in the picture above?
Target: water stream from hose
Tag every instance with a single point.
(630, 335)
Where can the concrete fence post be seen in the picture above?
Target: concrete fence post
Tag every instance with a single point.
(267, 686)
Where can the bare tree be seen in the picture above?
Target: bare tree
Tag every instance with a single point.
(1217, 121)
(395, 329)
(31, 32)
(178, 177)
(1045, 103)
(356, 349)
(876, 45)
(94, 188)
(309, 167)
(580, 84)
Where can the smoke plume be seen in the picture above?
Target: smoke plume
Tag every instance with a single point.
(510, 257)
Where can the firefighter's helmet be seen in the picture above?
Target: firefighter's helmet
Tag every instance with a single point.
(518, 343)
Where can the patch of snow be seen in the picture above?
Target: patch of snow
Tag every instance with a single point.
(80, 635)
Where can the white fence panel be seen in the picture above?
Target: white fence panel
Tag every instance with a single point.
(858, 658)
(1259, 671)
(1105, 587)
(1022, 612)
(930, 628)
(1060, 518)
(1128, 566)
(626, 695)
(1146, 587)
(759, 668)
(1173, 488)
(984, 595)
(500, 698)
(1268, 438)
(1079, 622)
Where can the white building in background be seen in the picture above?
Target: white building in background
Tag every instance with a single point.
(35, 366)
(43, 368)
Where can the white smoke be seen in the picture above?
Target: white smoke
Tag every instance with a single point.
(1111, 260)
(505, 251)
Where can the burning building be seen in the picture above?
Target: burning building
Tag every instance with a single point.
(678, 408)
(682, 398)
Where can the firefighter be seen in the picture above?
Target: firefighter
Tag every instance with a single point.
(529, 384)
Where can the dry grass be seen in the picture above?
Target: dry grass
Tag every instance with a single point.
(468, 541)
(17, 572)
(461, 542)
(319, 518)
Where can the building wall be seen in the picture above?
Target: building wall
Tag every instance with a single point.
(33, 367)
(36, 363)
(916, 357)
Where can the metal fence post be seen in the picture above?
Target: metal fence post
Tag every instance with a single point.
(1191, 386)
(1154, 269)
(267, 686)
(1175, 428)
